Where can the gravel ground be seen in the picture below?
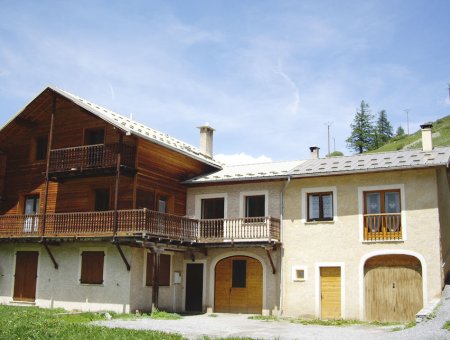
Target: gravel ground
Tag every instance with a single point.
(238, 325)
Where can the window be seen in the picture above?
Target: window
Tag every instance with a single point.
(320, 206)
(239, 274)
(164, 270)
(41, 149)
(94, 136)
(162, 204)
(299, 273)
(92, 267)
(255, 206)
(31, 209)
(382, 215)
(213, 208)
(101, 200)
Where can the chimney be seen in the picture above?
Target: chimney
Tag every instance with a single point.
(206, 139)
(314, 152)
(427, 140)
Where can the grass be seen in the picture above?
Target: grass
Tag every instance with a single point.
(36, 323)
(213, 315)
(447, 325)
(264, 318)
(162, 315)
(441, 137)
(337, 322)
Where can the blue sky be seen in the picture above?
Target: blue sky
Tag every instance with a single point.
(267, 75)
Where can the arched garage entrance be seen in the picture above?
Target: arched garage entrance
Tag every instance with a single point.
(238, 285)
(393, 287)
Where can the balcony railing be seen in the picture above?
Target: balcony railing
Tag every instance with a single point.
(141, 221)
(382, 227)
(99, 156)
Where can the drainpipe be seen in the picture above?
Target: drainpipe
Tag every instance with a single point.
(288, 181)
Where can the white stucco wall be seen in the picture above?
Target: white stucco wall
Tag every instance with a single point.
(314, 244)
(61, 287)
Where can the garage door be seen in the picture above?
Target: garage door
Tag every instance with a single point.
(238, 285)
(393, 288)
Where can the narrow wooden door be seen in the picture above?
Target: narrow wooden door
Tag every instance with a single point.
(194, 287)
(25, 276)
(330, 292)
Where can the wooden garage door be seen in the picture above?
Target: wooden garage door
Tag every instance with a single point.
(393, 288)
(238, 285)
(330, 290)
(25, 275)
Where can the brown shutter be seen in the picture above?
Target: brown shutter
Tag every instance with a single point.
(92, 267)
(164, 270)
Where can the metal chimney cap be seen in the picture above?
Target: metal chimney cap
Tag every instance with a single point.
(428, 125)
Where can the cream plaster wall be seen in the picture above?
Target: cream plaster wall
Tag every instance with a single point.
(233, 192)
(308, 244)
(61, 288)
(443, 184)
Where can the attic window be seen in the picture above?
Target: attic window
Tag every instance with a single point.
(39, 149)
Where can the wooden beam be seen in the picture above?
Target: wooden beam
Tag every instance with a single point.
(116, 190)
(49, 147)
(155, 284)
(55, 264)
(122, 255)
(274, 271)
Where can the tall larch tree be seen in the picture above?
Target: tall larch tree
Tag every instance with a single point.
(384, 130)
(362, 137)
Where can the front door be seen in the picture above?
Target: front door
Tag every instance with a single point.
(330, 292)
(238, 285)
(25, 276)
(31, 211)
(194, 287)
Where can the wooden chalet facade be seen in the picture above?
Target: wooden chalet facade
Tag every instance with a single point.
(72, 172)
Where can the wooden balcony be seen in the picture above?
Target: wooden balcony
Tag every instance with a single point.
(141, 222)
(90, 160)
(382, 227)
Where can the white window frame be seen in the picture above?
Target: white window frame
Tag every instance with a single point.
(244, 194)
(80, 262)
(198, 203)
(294, 273)
(361, 191)
(304, 200)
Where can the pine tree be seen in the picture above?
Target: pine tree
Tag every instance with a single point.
(362, 137)
(400, 132)
(384, 129)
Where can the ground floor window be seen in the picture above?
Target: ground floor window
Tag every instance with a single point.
(92, 267)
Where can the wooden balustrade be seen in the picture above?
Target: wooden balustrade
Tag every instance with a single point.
(379, 227)
(87, 157)
(141, 221)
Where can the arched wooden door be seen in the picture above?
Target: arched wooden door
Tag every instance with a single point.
(238, 285)
(393, 288)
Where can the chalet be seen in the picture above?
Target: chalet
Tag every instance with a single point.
(99, 212)
(93, 212)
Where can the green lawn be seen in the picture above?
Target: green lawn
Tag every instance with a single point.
(36, 323)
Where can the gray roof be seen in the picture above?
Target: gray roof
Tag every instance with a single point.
(259, 171)
(373, 162)
(135, 128)
(385, 161)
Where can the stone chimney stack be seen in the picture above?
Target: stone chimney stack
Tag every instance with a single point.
(206, 139)
(427, 140)
(314, 152)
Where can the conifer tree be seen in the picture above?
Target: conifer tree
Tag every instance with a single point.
(362, 137)
(383, 130)
(400, 132)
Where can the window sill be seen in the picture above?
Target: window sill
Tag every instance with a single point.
(299, 280)
(382, 241)
(93, 284)
(319, 222)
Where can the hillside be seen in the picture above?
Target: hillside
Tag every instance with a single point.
(441, 137)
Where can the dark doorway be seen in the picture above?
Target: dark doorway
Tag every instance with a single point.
(194, 287)
(26, 275)
(212, 214)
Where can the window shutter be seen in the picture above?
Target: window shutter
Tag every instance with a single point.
(92, 267)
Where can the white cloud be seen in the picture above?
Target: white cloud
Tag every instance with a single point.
(241, 158)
